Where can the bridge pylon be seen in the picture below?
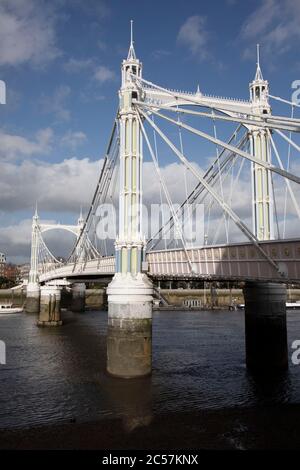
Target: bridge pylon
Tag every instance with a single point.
(130, 298)
(262, 194)
(33, 286)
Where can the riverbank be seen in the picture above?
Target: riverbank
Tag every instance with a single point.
(274, 427)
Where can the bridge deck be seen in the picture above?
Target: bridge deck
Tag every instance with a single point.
(240, 261)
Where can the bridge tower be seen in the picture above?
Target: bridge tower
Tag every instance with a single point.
(130, 292)
(262, 196)
(33, 287)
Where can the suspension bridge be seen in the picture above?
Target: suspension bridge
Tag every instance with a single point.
(258, 151)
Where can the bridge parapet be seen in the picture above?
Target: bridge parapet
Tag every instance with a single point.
(241, 261)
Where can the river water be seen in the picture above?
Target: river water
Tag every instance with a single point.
(57, 375)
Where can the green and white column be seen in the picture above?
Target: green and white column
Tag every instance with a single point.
(129, 342)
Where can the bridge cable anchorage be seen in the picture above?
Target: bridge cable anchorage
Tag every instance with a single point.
(288, 185)
(243, 154)
(198, 189)
(257, 120)
(165, 189)
(252, 238)
(193, 101)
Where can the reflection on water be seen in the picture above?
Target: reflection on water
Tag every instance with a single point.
(58, 374)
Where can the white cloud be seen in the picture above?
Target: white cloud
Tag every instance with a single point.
(58, 187)
(194, 35)
(275, 24)
(27, 32)
(103, 74)
(57, 103)
(73, 139)
(15, 146)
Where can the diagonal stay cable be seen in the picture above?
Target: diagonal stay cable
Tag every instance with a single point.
(165, 189)
(243, 154)
(245, 230)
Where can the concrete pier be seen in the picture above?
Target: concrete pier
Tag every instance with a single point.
(32, 304)
(50, 306)
(265, 326)
(78, 297)
(129, 337)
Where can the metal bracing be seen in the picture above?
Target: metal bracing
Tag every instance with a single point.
(290, 141)
(198, 189)
(243, 154)
(166, 192)
(207, 186)
(257, 121)
(216, 103)
(99, 194)
(291, 192)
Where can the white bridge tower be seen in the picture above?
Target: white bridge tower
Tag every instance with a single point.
(130, 292)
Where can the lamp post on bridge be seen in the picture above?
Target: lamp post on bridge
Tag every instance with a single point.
(130, 298)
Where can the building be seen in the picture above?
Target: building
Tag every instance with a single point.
(11, 272)
(2, 264)
(24, 272)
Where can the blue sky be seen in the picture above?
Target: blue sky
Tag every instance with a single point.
(60, 60)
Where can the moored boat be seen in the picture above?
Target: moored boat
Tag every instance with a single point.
(8, 308)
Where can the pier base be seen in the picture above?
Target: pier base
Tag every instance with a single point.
(78, 297)
(32, 304)
(50, 306)
(129, 337)
(265, 326)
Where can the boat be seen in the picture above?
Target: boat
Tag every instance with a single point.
(8, 308)
(289, 305)
(293, 305)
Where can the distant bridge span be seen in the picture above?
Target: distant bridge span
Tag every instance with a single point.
(240, 261)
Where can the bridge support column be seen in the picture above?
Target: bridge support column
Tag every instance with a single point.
(78, 297)
(50, 306)
(32, 304)
(129, 340)
(265, 326)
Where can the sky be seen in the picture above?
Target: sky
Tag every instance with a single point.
(60, 60)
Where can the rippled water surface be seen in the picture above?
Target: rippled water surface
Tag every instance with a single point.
(58, 374)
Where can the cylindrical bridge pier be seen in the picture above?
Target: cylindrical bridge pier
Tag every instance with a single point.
(50, 306)
(78, 297)
(32, 304)
(129, 336)
(265, 326)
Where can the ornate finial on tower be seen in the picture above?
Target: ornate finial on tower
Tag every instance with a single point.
(36, 216)
(81, 219)
(258, 75)
(259, 89)
(131, 52)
